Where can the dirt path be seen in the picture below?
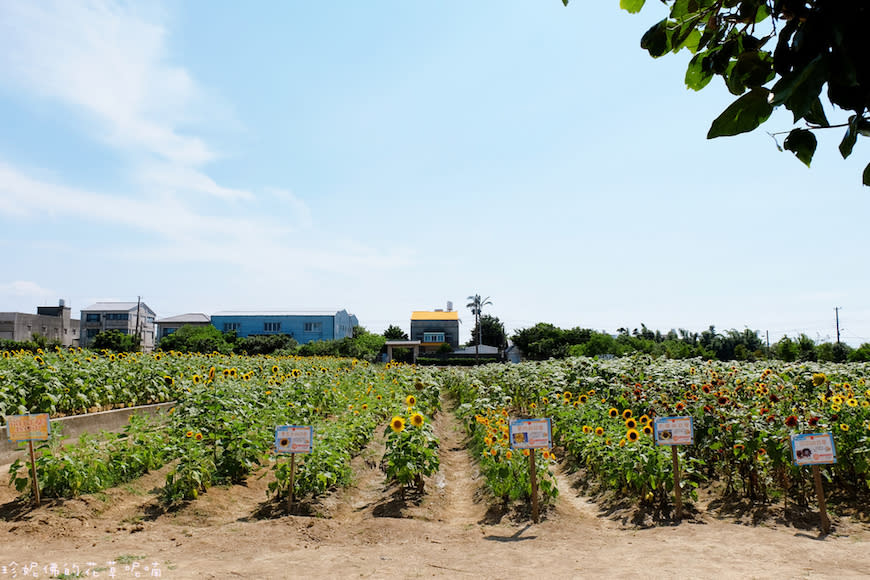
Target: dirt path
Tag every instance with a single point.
(366, 531)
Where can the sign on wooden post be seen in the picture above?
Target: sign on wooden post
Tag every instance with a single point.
(290, 440)
(29, 428)
(674, 431)
(531, 434)
(816, 449)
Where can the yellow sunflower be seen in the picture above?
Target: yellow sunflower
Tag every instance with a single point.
(632, 435)
(417, 420)
(411, 400)
(397, 424)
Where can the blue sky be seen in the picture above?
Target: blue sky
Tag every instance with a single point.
(390, 156)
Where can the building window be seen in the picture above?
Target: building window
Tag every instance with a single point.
(114, 316)
(89, 317)
(433, 337)
(313, 327)
(228, 326)
(271, 327)
(92, 332)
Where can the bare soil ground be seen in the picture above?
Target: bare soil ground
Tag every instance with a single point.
(452, 530)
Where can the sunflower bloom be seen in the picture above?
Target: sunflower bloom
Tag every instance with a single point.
(599, 431)
(632, 435)
(626, 414)
(189, 434)
(508, 455)
(198, 436)
(417, 420)
(411, 400)
(397, 424)
(613, 413)
(630, 424)
(844, 427)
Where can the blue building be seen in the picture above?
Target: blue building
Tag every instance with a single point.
(303, 325)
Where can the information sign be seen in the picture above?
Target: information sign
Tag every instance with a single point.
(813, 449)
(531, 434)
(674, 431)
(28, 427)
(294, 438)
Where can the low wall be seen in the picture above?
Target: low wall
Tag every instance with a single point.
(75, 425)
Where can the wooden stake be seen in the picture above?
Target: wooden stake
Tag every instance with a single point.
(33, 469)
(292, 480)
(534, 479)
(678, 493)
(820, 493)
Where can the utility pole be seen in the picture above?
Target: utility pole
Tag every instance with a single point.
(138, 335)
(837, 315)
(767, 336)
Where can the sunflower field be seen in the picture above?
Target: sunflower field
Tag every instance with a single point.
(743, 414)
(221, 428)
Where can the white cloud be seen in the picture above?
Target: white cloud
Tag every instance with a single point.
(297, 205)
(22, 295)
(108, 62)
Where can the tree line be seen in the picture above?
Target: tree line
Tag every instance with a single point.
(544, 340)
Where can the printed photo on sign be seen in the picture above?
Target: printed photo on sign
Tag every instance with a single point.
(28, 427)
(813, 449)
(294, 438)
(531, 434)
(673, 431)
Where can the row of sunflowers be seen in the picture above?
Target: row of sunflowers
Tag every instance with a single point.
(221, 428)
(743, 415)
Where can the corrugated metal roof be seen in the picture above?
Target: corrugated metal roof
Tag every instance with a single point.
(191, 317)
(427, 315)
(116, 306)
(276, 313)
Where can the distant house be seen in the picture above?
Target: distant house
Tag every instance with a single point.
(52, 322)
(126, 317)
(435, 328)
(303, 325)
(167, 326)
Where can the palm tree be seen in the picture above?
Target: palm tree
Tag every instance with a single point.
(476, 305)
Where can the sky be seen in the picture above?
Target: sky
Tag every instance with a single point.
(390, 156)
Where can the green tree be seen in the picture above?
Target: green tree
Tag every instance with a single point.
(117, 341)
(193, 338)
(541, 341)
(860, 354)
(774, 53)
(489, 331)
(598, 344)
(265, 344)
(786, 349)
(395, 333)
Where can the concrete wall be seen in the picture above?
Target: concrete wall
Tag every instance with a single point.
(22, 326)
(74, 426)
(146, 325)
